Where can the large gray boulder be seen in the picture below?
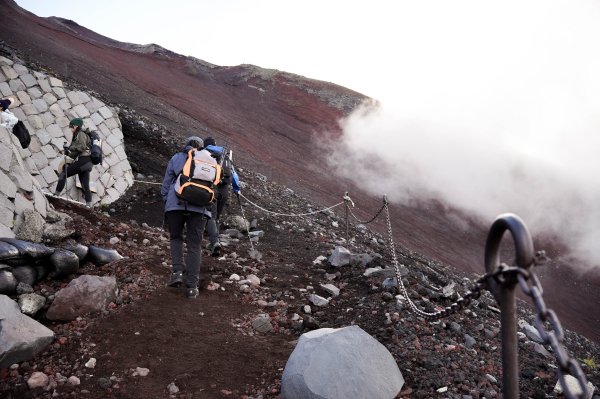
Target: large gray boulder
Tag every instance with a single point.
(21, 337)
(340, 363)
(83, 295)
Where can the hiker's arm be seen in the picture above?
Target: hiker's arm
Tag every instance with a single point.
(78, 145)
(167, 180)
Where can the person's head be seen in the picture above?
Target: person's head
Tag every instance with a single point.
(195, 141)
(76, 124)
(6, 102)
(209, 141)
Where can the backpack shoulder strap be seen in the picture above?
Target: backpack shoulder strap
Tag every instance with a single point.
(188, 166)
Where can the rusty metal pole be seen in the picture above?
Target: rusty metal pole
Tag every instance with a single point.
(504, 293)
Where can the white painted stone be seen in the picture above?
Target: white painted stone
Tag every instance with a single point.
(9, 72)
(35, 121)
(34, 92)
(29, 109)
(28, 80)
(5, 89)
(55, 82)
(114, 140)
(23, 97)
(64, 104)
(7, 217)
(112, 123)
(81, 111)
(56, 110)
(73, 96)
(55, 131)
(7, 187)
(5, 157)
(20, 69)
(49, 151)
(16, 85)
(49, 176)
(40, 159)
(40, 105)
(47, 119)
(50, 98)
(106, 113)
(63, 122)
(44, 85)
(96, 118)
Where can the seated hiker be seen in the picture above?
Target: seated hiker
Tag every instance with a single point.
(79, 151)
(7, 118)
(230, 179)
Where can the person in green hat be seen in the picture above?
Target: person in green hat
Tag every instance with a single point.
(79, 151)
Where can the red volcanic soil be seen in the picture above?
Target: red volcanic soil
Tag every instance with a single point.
(274, 121)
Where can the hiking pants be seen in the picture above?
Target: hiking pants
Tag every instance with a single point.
(82, 168)
(217, 208)
(194, 224)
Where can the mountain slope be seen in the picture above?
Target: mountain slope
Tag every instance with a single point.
(273, 120)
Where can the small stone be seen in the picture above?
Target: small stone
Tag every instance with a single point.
(37, 380)
(73, 380)
(141, 371)
(90, 364)
(172, 388)
(104, 383)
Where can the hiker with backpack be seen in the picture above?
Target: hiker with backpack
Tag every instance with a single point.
(188, 199)
(229, 180)
(7, 118)
(80, 152)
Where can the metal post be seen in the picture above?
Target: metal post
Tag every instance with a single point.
(347, 242)
(504, 292)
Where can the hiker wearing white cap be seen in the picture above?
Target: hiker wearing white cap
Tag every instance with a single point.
(7, 118)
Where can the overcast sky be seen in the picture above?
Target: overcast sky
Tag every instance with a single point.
(492, 106)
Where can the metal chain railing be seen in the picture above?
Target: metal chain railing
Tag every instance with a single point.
(473, 293)
(530, 284)
(290, 214)
(349, 202)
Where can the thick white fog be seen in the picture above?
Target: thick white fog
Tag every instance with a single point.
(492, 109)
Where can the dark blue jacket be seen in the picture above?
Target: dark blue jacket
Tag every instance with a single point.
(167, 191)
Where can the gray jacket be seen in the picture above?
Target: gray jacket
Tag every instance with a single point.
(170, 199)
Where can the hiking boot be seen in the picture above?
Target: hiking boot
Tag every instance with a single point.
(176, 279)
(216, 249)
(191, 293)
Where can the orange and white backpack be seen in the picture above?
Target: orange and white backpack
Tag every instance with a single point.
(200, 174)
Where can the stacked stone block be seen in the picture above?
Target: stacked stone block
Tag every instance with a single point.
(46, 106)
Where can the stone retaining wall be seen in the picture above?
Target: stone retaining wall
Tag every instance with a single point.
(46, 105)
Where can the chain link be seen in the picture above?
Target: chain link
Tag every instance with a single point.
(473, 293)
(290, 214)
(505, 275)
(348, 200)
(553, 336)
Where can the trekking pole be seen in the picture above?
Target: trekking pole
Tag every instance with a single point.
(65, 171)
(246, 222)
(346, 209)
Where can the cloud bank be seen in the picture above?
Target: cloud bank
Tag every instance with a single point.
(492, 110)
